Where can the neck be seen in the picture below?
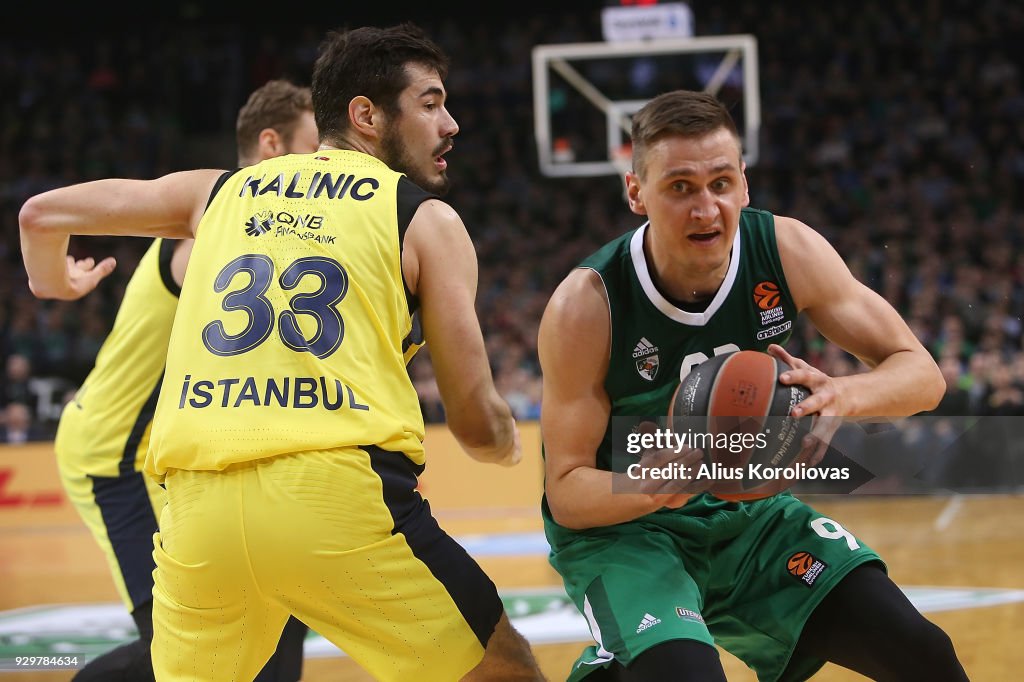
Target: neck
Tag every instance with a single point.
(681, 281)
(351, 144)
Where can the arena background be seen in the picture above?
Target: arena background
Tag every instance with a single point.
(894, 128)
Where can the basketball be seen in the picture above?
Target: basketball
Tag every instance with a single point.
(737, 412)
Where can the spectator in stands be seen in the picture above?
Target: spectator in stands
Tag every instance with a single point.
(17, 426)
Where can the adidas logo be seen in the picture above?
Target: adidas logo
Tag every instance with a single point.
(643, 348)
(649, 621)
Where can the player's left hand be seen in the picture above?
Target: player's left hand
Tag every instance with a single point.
(824, 404)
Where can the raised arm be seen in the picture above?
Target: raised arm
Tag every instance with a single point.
(904, 378)
(574, 346)
(169, 206)
(440, 268)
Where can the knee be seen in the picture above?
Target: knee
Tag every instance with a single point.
(929, 645)
(681, 660)
(507, 657)
(127, 663)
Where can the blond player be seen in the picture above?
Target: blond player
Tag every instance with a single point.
(104, 431)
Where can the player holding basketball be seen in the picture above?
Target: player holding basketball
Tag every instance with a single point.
(287, 432)
(663, 575)
(104, 432)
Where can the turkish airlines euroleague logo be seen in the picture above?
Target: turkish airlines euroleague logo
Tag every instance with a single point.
(805, 567)
(766, 295)
(768, 299)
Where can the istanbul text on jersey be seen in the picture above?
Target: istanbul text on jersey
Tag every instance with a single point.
(290, 392)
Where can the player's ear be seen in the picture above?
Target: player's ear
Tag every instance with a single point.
(746, 187)
(363, 115)
(634, 195)
(269, 144)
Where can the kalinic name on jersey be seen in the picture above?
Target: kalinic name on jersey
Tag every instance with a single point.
(294, 324)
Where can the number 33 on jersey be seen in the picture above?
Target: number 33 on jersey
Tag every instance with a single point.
(294, 326)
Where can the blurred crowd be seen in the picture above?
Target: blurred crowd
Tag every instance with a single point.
(895, 129)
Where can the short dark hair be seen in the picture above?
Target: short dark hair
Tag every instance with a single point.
(367, 61)
(686, 113)
(276, 104)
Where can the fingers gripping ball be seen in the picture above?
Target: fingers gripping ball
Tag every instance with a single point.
(736, 410)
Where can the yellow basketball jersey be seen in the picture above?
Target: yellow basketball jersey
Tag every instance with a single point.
(292, 330)
(104, 430)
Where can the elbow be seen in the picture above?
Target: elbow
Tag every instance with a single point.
(30, 217)
(565, 518)
(935, 389)
(564, 512)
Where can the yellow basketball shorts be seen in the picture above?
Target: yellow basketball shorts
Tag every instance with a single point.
(341, 540)
(121, 513)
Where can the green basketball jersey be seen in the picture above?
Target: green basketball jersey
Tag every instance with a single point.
(654, 343)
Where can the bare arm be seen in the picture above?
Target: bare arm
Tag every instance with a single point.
(574, 346)
(440, 267)
(904, 378)
(169, 206)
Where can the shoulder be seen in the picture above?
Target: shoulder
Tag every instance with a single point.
(574, 340)
(435, 218)
(578, 305)
(802, 247)
(813, 267)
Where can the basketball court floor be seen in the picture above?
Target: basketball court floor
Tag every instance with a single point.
(959, 558)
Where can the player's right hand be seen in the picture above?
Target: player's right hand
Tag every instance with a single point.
(82, 277)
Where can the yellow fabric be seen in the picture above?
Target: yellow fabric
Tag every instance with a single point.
(241, 548)
(95, 426)
(79, 489)
(293, 312)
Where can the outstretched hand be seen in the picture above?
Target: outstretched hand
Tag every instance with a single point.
(82, 277)
(824, 403)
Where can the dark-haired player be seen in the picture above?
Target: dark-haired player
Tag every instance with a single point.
(288, 433)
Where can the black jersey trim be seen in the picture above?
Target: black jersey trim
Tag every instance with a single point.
(469, 587)
(142, 420)
(410, 196)
(167, 248)
(220, 183)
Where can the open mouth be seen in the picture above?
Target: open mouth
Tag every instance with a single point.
(439, 160)
(704, 236)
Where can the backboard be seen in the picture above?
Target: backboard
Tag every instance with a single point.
(584, 94)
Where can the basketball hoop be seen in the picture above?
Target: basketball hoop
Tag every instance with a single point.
(561, 75)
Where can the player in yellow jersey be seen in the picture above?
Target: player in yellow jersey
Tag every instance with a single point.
(287, 431)
(104, 432)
